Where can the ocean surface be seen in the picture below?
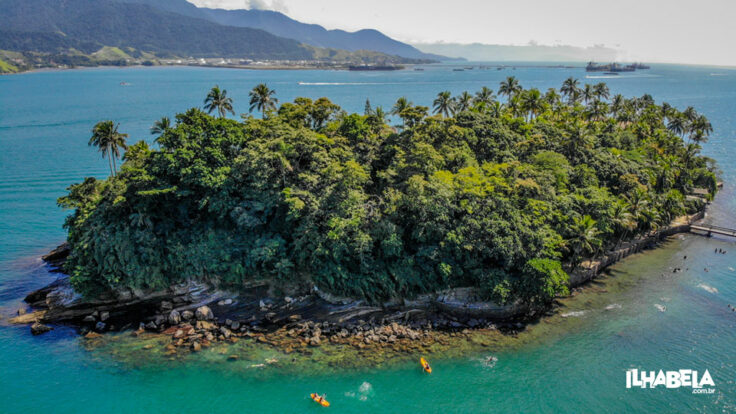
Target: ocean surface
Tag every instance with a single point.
(640, 315)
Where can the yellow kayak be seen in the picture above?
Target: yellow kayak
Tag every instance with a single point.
(425, 365)
(318, 399)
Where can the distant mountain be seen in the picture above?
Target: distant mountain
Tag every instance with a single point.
(539, 53)
(88, 25)
(281, 25)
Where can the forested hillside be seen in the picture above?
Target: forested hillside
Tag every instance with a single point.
(503, 196)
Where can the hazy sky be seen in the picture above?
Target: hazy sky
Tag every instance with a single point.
(686, 31)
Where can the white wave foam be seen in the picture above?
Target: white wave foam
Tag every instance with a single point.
(613, 306)
(364, 391)
(574, 314)
(660, 308)
(489, 361)
(709, 289)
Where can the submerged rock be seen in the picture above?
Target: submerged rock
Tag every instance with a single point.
(38, 328)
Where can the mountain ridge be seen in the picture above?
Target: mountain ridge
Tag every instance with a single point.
(282, 25)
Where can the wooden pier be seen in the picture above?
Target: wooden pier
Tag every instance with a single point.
(708, 230)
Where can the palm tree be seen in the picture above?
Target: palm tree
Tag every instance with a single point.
(570, 88)
(261, 98)
(601, 91)
(552, 97)
(484, 96)
(109, 141)
(463, 102)
(617, 103)
(700, 128)
(509, 87)
(585, 238)
(677, 124)
(588, 93)
(444, 104)
(532, 102)
(217, 100)
(160, 126)
(401, 104)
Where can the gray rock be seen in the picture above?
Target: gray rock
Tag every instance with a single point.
(225, 332)
(166, 305)
(228, 322)
(174, 317)
(38, 328)
(204, 313)
(159, 320)
(227, 302)
(89, 319)
(104, 316)
(187, 315)
(151, 326)
(100, 326)
(235, 325)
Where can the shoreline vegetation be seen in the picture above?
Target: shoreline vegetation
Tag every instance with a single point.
(12, 62)
(7, 68)
(310, 224)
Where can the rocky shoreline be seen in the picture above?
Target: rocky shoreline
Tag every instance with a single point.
(196, 316)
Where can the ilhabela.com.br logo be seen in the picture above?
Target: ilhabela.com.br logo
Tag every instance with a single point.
(671, 379)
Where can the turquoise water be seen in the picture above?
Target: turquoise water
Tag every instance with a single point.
(573, 364)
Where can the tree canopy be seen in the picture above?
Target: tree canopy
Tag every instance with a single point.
(505, 197)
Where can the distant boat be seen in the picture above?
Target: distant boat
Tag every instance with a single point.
(458, 70)
(611, 73)
(124, 84)
(419, 69)
(375, 67)
(469, 68)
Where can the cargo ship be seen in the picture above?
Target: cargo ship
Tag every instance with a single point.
(614, 67)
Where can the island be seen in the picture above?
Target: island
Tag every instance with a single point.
(307, 223)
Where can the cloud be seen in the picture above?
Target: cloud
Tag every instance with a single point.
(277, 5)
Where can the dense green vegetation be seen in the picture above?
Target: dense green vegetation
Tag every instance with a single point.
(507, 197)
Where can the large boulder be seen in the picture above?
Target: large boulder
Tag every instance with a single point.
(174, 317)
(204, 313)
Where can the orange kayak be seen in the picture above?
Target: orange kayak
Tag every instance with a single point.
(425, 365)
(318, 399)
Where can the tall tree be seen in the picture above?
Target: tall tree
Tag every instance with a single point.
(401, 104)
(262, 99)
(588, 93)
(484, 96)
(532, 103)
(570, 89)
(509, 87)
(444, 104)
(601, 91)
(585, 238)
(109, 141)
(463, 102)
(160, 126)
(217, 100)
